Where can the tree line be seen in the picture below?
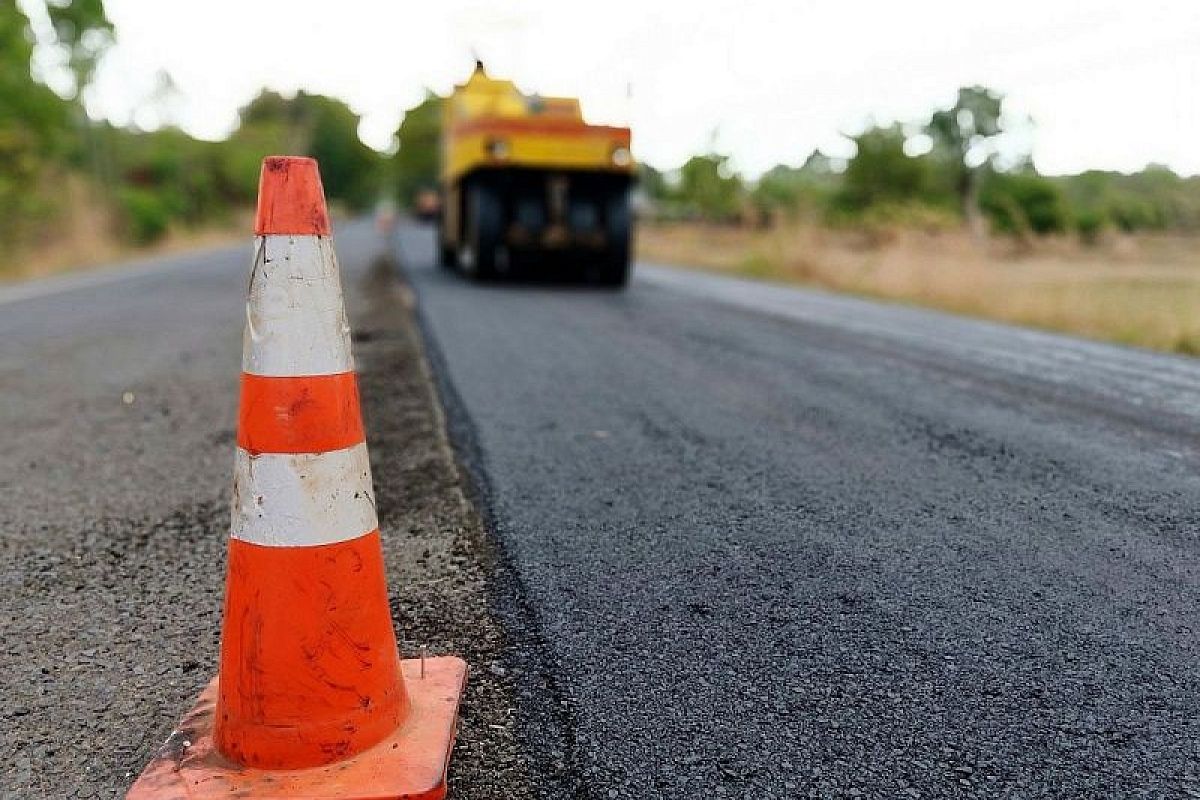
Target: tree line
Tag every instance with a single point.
(148, 181)
(962, 165)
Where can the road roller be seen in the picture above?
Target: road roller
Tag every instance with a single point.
(527, 183)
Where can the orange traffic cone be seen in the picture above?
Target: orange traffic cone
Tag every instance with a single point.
(312, 699)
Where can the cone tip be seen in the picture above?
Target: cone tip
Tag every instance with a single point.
(291, 199)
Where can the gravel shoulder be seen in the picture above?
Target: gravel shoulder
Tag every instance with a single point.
(439, 558)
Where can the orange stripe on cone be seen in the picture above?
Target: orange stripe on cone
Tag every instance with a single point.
(312, 700)
(291, 198)
(308, 660)
(309, 414)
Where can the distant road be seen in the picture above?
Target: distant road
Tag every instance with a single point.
(768, 542)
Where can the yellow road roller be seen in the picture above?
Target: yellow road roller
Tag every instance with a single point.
(527, 183)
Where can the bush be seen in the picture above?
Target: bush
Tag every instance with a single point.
(1134, 214)
(793, 191)
(882, 173)
(1024, 202)
(1090, 224)
(146, 213)
(708, 187)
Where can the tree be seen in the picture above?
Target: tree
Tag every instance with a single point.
(788, 189)
(34, 127)
(1024, 203)
(418, 138)
(312, 124)
(83, 30)
(349, 168)
(25, 104)
(777, 189)
(882, 172)
(1154, 198)
(964, 138)
(652, 183)
(709, 187)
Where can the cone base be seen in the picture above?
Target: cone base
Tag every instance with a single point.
(410, 763)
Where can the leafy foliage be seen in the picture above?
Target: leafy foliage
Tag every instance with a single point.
(945, 171)
(1025, 202)
(794, 190)
(952, 166)
(416, 160)
(1153, 199)
(34, 127)
(964, 138)
(652, 181)
(152, 180)
(147, 213)
(709, 187)
(322, 127)
(83, 30)
(881, 172)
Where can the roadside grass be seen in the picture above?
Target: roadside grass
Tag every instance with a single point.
(84, 253)
(84, 235)
(1137, 290)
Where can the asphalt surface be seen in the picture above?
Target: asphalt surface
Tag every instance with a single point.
(766, 542)
(737, 540)
(120, 395)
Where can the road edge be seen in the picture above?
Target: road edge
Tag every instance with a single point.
(546, 714)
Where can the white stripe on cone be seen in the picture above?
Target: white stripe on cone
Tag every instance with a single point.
(295, 320)
(302, 500)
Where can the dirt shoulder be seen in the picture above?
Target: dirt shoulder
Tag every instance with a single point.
(438, 557)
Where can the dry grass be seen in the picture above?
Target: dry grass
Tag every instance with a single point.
(84, 237)
(1141, 290)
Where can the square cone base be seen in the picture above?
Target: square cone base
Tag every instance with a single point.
(410, 763)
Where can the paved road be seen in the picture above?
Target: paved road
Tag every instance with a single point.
(119, 392)
(764, 542)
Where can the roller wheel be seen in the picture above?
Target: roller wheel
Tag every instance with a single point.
(615, 267)
(481, 250)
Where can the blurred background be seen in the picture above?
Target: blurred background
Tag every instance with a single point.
(1036, 162)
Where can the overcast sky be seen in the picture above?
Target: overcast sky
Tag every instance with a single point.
(1110, 83)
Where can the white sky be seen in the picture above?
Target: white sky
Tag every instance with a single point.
(1110, 83)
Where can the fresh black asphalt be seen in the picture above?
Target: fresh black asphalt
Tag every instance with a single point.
(767, 542)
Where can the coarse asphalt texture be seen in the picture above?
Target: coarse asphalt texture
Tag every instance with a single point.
(120, 395)
(765, 542)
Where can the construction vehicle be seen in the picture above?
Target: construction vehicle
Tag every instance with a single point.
(526, 182)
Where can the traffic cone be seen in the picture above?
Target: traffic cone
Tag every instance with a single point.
(312, 699)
